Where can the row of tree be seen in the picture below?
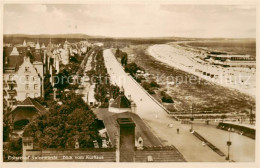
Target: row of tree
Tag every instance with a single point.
(122, 55)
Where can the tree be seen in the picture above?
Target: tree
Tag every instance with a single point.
(6, 123)
(12, 148)
(47, 87)
(124, 58)
(114, 91)
(117, 54)
(131, 68)
(154, 84)
(29, 54)
(166, 98)
(64, 124)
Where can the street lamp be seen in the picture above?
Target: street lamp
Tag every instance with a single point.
(192, 118)
(251, 116)
(228, 144)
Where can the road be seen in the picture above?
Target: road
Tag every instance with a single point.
(146, 104)
(157, 119)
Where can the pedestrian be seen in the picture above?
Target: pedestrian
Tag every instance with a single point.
(178, 130)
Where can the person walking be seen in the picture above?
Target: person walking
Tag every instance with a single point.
(178, 131)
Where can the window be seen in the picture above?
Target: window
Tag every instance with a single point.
(27, 87)
(12, 103)
(35, 94)
(11, 77)
(26, 69)
(11, 87)
(35, 87)
(27, 77)
(35, 78)
(27, 95)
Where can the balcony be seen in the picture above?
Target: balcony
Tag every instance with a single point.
(4, 93)
(11, 82)
(11, 100)
(12, 92)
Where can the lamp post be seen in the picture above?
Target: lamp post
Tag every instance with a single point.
(228, 144)
(192, 118)
(251, 116)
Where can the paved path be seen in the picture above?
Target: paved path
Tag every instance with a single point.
(242, 148)
(156, 117)
(146, 104)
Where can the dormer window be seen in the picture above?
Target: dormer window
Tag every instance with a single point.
(27, 69)
(11, 77)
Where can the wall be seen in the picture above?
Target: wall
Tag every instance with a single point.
(21, 81)
(159, 156)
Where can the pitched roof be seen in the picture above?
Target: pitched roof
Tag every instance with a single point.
(38, 57)
(31, 102)
(141, 130)
(13, 61)
(121, 102)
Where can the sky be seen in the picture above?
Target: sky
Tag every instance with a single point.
(132, 20)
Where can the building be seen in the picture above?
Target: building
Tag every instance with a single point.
(24, 44)
(91, 96)
(23, 74)
(64, 55)
(231, 60)
(121, 104)
(133, 142)
(25, 112)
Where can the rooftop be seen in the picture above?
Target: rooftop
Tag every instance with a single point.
(121, 102)
(31, 102)
(141, 129)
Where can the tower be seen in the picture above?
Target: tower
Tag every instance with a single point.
(37, 47)
(24, 43)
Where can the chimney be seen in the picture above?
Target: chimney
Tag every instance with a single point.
(140, 143)
(54, 94)
(127, 139)
(133, 107)
(27, 143)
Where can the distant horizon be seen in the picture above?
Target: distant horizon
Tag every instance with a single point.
(104, 36)
(150, 20)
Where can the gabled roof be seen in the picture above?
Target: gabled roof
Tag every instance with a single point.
(13, 61)
(38, 57)
(28, 102)
(37, 47)
(141, 130)
(121, 102)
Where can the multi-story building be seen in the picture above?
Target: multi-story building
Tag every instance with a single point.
(23, 74)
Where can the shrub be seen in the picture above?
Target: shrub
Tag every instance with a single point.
(166, 98)
(154, 84)
(150, 91)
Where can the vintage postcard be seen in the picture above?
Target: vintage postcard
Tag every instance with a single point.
(129, 82)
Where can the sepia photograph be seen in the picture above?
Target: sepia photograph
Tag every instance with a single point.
(107, 81)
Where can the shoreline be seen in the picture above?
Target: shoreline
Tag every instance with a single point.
(177, 57)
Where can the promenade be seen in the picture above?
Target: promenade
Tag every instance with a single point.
(156, 117)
